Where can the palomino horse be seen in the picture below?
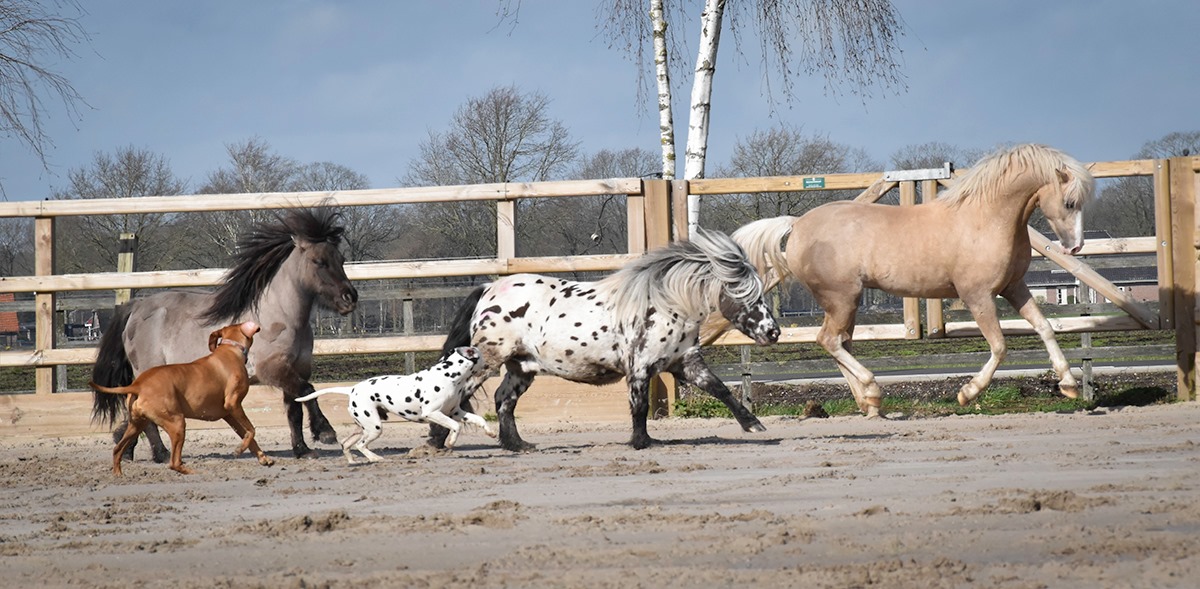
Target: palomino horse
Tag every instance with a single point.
(281, 270)
(639, 321)
(970, 243)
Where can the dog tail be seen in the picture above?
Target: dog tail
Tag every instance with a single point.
(315, 394)
(460, 326)
(112, 368)
(112, 390)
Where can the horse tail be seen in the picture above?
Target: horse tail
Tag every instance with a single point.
(112, 368)
(460, 327)
(763, 242)
(315, 394)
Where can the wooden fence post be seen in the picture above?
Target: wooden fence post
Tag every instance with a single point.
(935, 319)
(656, 216)
(912, 305)
(45, 303)
(1184, 250)
(126, 262)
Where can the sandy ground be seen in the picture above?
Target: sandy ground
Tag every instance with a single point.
(1109, 498)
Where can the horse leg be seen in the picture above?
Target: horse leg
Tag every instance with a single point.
(984, 310)
(437, 433)
(515, 383)
(639, 409)
(692, 369)
(158, 450)
(835, 336)
(133, 427)
(318, 424)
(1017, 294)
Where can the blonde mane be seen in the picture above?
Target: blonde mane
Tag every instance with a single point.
(987, 178)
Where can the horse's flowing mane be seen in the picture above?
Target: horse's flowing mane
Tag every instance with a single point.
(685, 275)
(987, 178)
(261, 253)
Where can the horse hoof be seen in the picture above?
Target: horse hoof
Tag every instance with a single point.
(756, 427)
(160, 457)
(304, 452)
(519, 447)
(327, 437)
(1069, 391)
(642, 443)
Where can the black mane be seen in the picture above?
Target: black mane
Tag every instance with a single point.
(261, 253)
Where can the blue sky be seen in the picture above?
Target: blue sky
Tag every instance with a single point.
(361, 83)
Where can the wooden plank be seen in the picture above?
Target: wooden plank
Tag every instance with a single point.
(875, 191)
(635, 218)
(44, 302)
(1147, 318)
(1123, 168)
(1163, 244)
(679, 192)
(801, 335)
(1183, 283)
(779, 183)
(935, 319)
(506, 229)
(1060, 325)
(912, 305)
(354, 271)
(283, 200)
(1117, 245)
(657, 213)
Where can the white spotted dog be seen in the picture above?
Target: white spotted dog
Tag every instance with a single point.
(433, 395)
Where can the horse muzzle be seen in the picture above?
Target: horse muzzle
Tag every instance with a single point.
(347, 302)
(764, 337)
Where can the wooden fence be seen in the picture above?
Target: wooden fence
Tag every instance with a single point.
(655, 212)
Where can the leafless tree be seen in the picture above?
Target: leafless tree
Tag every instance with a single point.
(369, 229)
(1126, 207)
(588, 224)
(853, 42)
(783, 150)
(33, 36)
(16, 247)
(503, 136)
(933, 154)
(253, 168)
(91, 243)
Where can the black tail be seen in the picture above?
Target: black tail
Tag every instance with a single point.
(460, 328)
(112, 369)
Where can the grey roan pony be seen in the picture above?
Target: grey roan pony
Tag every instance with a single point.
(281, 270)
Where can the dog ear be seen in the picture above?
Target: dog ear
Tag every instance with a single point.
(214, 338)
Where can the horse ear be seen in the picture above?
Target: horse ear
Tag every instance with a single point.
(1063, 177)
(299, 243)
(214, 339)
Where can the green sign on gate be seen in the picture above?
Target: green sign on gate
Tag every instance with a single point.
(818, 182)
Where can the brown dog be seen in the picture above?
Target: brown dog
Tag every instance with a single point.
(210, 388)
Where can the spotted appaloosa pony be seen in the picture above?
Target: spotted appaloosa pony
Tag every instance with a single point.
(971, 243)
(281, 270)
(642, 320)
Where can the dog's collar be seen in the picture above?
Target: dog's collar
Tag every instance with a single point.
(228, 342)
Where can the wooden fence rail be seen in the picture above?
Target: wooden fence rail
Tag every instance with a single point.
(653, 214)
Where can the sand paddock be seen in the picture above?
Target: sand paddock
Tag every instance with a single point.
(1109, 498)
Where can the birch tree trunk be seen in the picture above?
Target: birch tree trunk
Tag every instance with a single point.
(706, 65)
(666, 118)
